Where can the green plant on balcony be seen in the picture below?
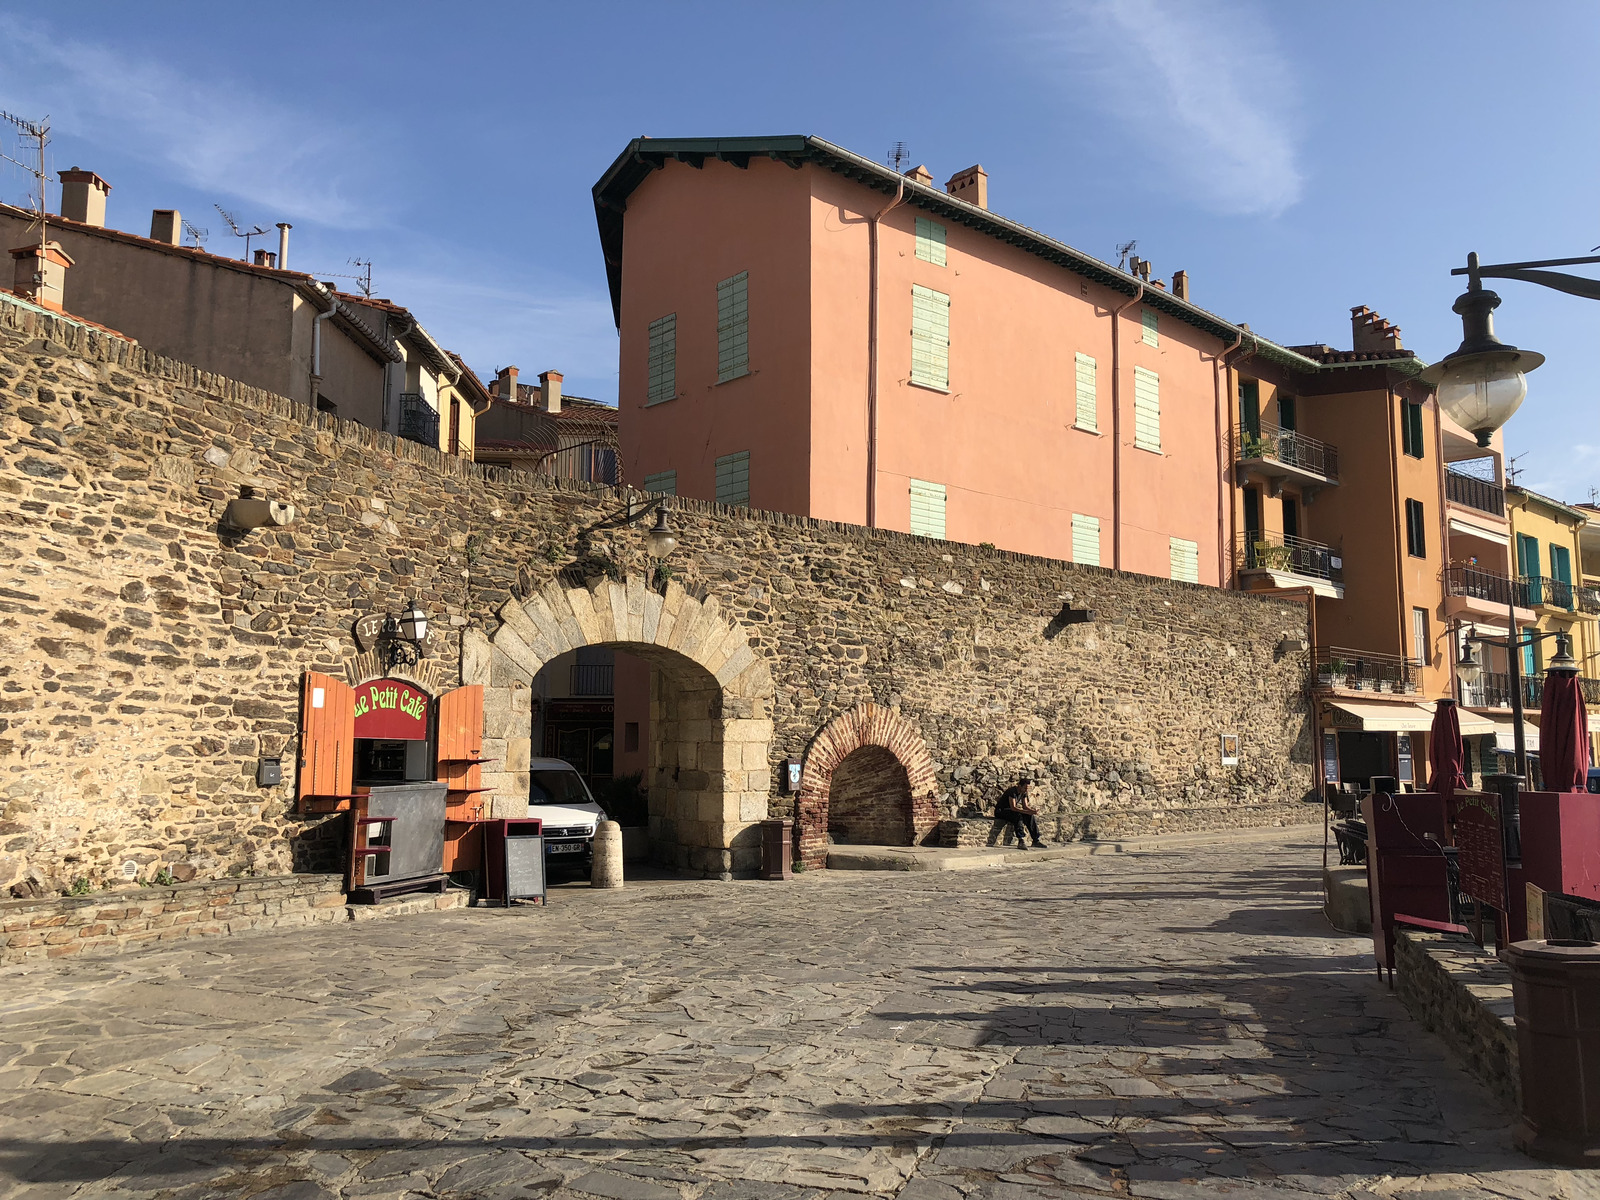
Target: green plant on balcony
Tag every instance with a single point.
(1256, 446)
(1272, 558)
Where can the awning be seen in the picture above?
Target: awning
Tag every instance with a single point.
(1371, 716)
(1505, 737)
(1473, 725)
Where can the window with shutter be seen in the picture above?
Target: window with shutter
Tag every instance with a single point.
(930, 241)
(733, 327)
(1250, 408)
(1146, 409)
(1420, 642)
(1561, 564)
(1411, 429)
(1151, 335)
(664, 483)
(1416, 530)
(1288, 416)
(1185, 559)
(327, 739)
(663, 364)
(733, 478)
(930, 337)
(927, 508)
(1086, 540)
(1088, 417)
(460, 741)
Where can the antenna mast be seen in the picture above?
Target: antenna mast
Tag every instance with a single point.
(199, 235)
(39, 131)
(897, 157)
(246, 234)
(1123, 251)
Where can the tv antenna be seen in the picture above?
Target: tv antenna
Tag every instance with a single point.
(1512, 470)
(39, 131)
(246, 234)
(1123, 251)
(363, 281)
(898, 157)
(199, 235)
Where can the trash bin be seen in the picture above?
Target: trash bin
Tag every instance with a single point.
(775, 853)
(1556, 987)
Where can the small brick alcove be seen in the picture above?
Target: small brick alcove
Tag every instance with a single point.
(872, 767)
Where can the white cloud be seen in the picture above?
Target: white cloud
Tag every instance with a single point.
(213, 134)
(1199, 84)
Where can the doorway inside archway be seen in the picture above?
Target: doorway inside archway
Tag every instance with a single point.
(869, 800)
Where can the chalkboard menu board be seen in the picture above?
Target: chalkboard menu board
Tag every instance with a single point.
(1483, 856)
(524, 868)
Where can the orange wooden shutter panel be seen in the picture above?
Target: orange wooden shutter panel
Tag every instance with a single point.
(461, 737)
(327, 737)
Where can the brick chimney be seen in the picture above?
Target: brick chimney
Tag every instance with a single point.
(266, 258)
(971, 185)
(1371, 334)
(41, 278)
(83, 197)
(166, 225)
(550, 391)
(1180, 284)
(920, 174)
(505, 384)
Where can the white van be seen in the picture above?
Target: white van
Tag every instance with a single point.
(558, 796)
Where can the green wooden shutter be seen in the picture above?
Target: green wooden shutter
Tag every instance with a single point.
(1416, 529)
(663, 368)
(930, 337)
(1411, 430)
(1561, 565)
(1086, 540)
(733, 327)
(1185, 559)
(927, 508)
(664, 483)
(1288, 418)
(733, 478)
(1087, 417)
(1250, 407)
(930, 241)
(1146, 409)
(1151, 335)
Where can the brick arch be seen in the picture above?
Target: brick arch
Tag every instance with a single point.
(711, 729)
(867, 724)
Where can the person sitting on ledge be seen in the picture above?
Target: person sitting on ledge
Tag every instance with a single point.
(1015, 810)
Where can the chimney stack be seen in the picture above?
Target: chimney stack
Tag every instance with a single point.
(283, 244)
(166, 226)
(1180, 284)
(41, 277)
(505, 384)
(83, 197)
(266, 258)
(920, 174)
(971, 185)
(550, 391)
(1139, 267)
(1371, 334)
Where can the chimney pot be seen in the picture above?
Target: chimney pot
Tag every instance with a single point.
(920, 174)
(971, 185)
(1371, 334)
(283, 244)
(41, 278)
(550, 391)
(166, 225)
(83, 197)
(505, 384)
(1180, 284)
(266, 258)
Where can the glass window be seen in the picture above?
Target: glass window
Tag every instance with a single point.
(559, 787)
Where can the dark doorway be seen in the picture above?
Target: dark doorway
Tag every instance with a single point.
(869, 800)
(1364, 755)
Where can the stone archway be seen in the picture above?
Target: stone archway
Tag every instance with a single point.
(711, 727)
(866, 725)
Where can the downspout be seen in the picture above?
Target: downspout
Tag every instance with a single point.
(1225, 480)
(1116, 429)
(1402, 617)
(316, 348)
(1233, 414)
(872, 353)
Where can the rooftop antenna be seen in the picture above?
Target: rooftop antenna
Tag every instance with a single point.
(1512, 470)
(363, 281)
(1594, 495)
(1123, 251)
(898, 157)
(39, 131)
(198, 235)
(246, 234)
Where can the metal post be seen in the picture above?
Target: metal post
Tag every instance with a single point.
(1514, 671)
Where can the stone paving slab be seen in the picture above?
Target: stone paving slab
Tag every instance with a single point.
(1170, 1024)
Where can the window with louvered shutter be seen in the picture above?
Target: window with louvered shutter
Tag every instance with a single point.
(930, 337)
(733, 327)
(663, 361)
(930, 241)
(1411, 429)
(1146, 409)
(927, 508)
(1087, 417)
(663, 483)
(1151, 335)
(733, 478)
(1086, 540)
(1416, 530)
(1185, 558)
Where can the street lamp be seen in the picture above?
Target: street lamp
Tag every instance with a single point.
(1469, 670)
(660, 541)
(401, 637)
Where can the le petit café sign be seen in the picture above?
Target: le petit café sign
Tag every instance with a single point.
(391, 709)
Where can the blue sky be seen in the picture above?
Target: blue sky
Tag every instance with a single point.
(1295, 159)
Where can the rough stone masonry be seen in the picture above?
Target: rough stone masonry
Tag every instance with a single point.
(149, 656)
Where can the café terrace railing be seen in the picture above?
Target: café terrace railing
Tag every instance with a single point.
(1289, 447)
(1340, 668)
(1257, 551)
(1475, 493)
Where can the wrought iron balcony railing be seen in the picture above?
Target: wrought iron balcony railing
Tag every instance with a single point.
(1493, 690)
(419, 422)
(1491, 586)
(1295, 555)
(1552, 593)
(1475, 493)
(1289, 447)
(1589, 599)
(1338, 667)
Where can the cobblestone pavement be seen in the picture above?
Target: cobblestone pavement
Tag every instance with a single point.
(1162, 1025)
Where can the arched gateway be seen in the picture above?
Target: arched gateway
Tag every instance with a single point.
(711, 709)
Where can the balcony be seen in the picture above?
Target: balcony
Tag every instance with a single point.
(1493, 690)
(1273, 560)
(1475, 493)
(592, 679)
(1337, 668)
(419, 422)
(1479, 595)
(1550, 593)
(1284, 456)
(1589, 599)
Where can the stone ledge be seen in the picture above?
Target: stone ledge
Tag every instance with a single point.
(1463, 994)
(1103, 824)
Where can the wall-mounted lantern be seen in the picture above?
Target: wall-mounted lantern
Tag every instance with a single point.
(401, 637)
(660, 541)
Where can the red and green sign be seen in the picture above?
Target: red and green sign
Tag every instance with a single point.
(391, 709)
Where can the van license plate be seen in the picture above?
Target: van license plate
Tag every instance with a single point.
(567, 848)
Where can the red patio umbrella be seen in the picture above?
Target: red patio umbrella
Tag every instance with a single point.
(1563, 733)
(1446, 751)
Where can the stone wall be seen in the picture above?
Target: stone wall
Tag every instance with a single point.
(1463, 993)
(149, 657)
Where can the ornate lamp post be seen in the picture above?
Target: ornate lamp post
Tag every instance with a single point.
(1468, 669)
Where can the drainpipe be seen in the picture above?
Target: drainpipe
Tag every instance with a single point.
(316, 347)
(872, 354)
(1116, 428)
(1224, 449)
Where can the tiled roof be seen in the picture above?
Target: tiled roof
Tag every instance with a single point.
(11, 297)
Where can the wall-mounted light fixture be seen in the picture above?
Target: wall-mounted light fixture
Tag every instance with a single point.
(660, 541)
(400, 640)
